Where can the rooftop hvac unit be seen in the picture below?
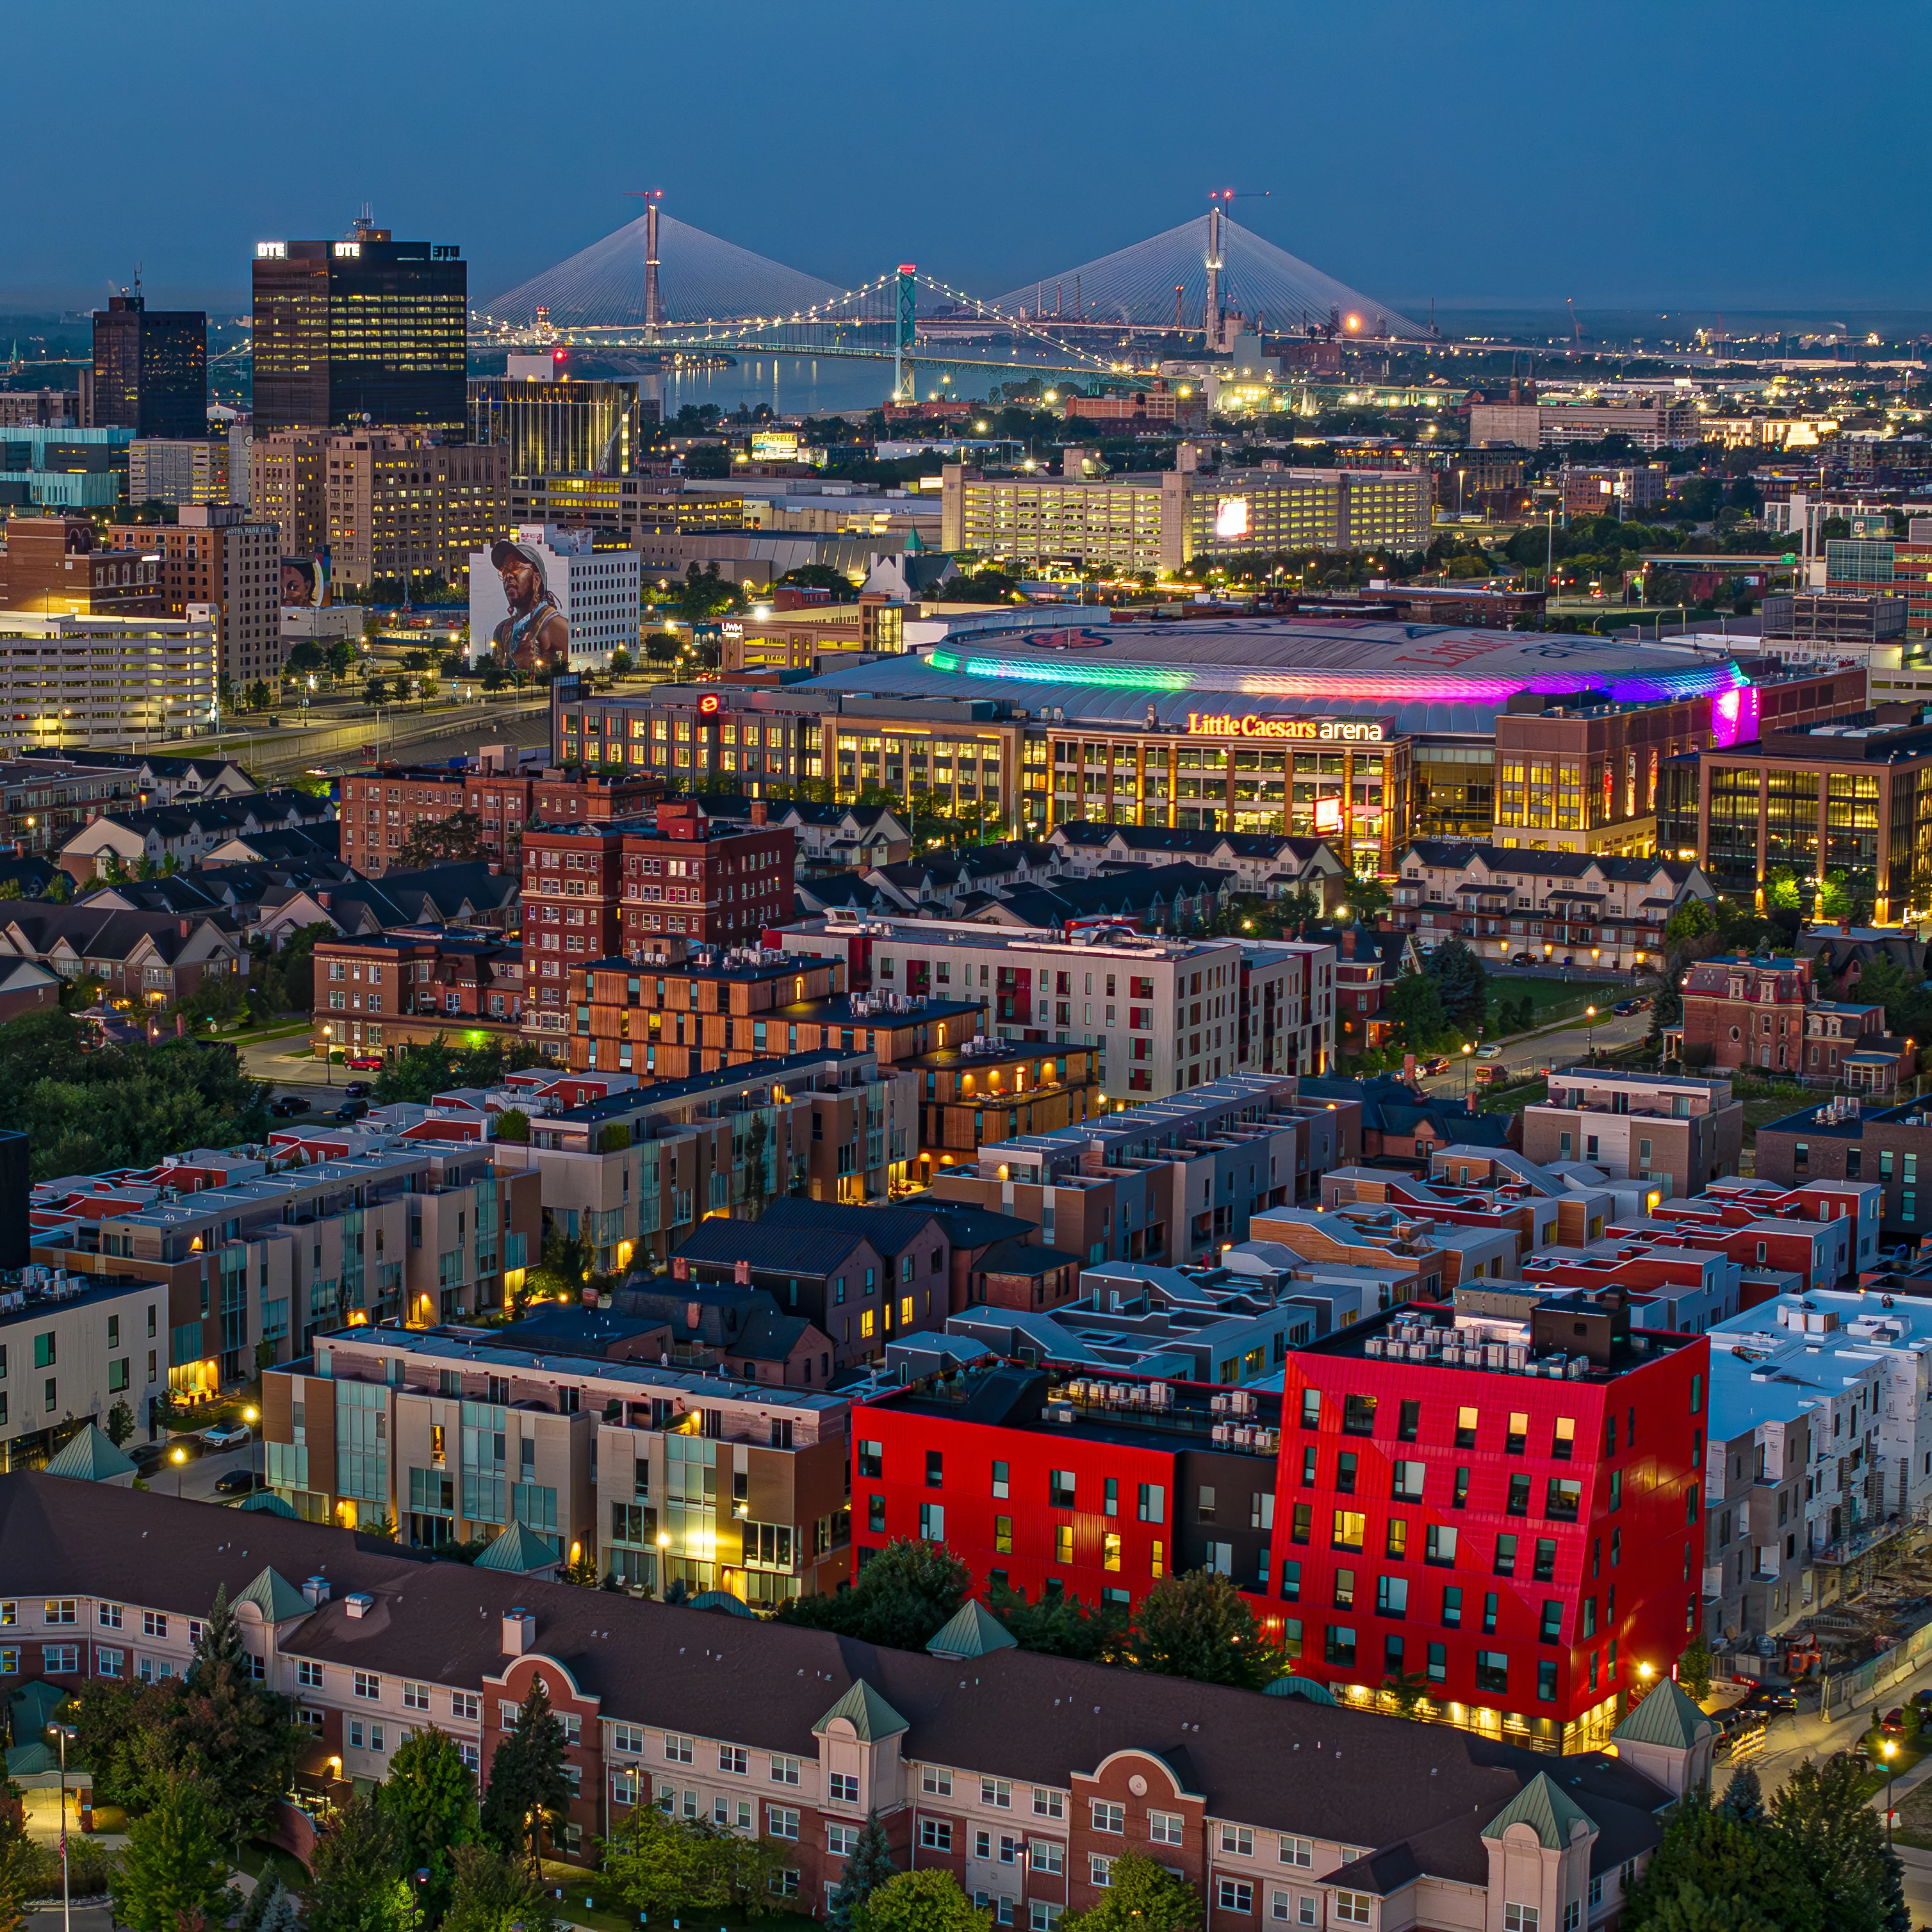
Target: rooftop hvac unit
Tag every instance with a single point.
(1218, 1433)
(1579, 1366)
(1515, 1356)
(1162, 1395)
(1418, 1351)
(1493, 1354)
(1373, 1347)
(1218, 1405)
(1452, 1352)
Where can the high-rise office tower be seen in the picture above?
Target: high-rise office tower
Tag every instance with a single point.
(150, 368)
(368, 331)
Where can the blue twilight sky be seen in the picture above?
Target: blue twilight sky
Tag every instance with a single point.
(1630, 155)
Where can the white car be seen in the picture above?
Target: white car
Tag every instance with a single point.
(1489, 1053)
(227, 1435)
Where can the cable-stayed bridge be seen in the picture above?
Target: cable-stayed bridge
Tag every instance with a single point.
(659, 284)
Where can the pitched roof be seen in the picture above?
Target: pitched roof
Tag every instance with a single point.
(888, 1229)
(972, 1631)
(779, 1246)
(1546, 1808)
(1278, 1763)
(89, 1457)
(272, 1594)
(1668, 1715)
(1023, 1257)
(868, 1714)
(520, 1549)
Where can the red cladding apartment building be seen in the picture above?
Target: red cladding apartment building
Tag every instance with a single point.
(1506, 1511)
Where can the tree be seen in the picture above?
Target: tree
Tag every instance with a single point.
(930, 1901)
(1199, 1625)
(668, 1865)
(444, 842)
(493, 676)
(908, 1591)
(1839, 1843)
(1062, 1626)
(340, 658)
(1694, 1667)
(1142, 1895)
(241, 1736)
(1415, 1007)
(1368, 899)
(1743, 1797)
(757, 1184)
(360, 1882)
(527, 1786)
(662, 647)
(172, 1871)
(621, 664)
(1692, 919)
(120, 1424)
(375, 692)
(1715, 1873)
(1461, 985)
(513, 1127)
(490, 1893)
(868, 1866)
(430, 1797)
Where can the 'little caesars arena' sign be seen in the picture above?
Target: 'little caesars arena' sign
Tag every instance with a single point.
(1312, 731)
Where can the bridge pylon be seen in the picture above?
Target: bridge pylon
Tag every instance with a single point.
(906, 336)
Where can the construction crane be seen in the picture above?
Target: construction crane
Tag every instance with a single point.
(1217, 201)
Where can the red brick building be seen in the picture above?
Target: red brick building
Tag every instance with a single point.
(592, 891)
(1762, 1012)
(392, 989)
(379, 808)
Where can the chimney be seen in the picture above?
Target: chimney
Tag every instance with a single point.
(1093, 1157)
(759, 813)
(1349, 943)
(741, 1273)
(520, 1632)
(183, 924)
(680, 1267)
(691, 1312)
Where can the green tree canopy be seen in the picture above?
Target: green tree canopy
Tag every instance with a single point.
(490, 1893)
(1142, 1896)
(1415, 1007)
(430, 1796)
(241, 1736)
(360, 1884)
(902, 1597)
(1199, 1625)
(927, 1900)
(527, 1786)
(1462, 985)
(172, 1872)
(666, 1866)
(868, 1866)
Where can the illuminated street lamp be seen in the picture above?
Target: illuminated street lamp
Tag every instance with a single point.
(177, 1457)
(1889, 1751)
(1589, 1032)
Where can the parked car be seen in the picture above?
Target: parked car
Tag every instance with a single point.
(1486, 1073)
(357, 1090)
(1893, 1723)
(1627, 1006)
(288, 1106)
(1490, 1052)
(1522, 959)
(226, 1435)
(1438, 1065)
(144, 1455)
(366, 1063)
(351, 1110)
(237, 1483)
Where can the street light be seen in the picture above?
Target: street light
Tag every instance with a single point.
(1467, 1050)
(1889, 1751)
(250, 1415)
(1589, 1031)
(177, 1457)
(328, 1056)
(63, 1732)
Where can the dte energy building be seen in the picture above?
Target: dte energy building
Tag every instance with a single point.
(367, 331)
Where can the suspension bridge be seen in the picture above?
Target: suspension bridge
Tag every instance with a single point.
(661, 285)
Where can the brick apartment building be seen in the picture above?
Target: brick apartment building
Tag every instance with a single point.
(1763, 1012)
(217, 555)
(56, 566)
(1847, 1140)
(1683, 1131)
(383, 992)
(596, 891)
(380, 808)
(767, 1728)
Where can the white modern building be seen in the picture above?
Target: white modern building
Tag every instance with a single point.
(597, 590)
(1166, 1014)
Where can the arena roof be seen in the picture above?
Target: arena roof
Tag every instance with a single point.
(1431, 678)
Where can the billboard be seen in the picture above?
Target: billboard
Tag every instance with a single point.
(1231, 516)
(534, 631)
(305, 582)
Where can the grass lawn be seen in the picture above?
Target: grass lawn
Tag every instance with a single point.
(1764, 1105)
(260, 1861)
(1552, 1000)
(1497, 1099)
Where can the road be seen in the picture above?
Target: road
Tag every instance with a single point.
(195, 1480)
(1565, 1048)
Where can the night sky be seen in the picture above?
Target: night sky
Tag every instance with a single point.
(1641, 155)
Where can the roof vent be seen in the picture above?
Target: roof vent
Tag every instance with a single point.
(358, 1603)
(316, 1589)
(520, 1632)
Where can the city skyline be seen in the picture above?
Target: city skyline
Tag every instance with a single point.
(1422, 158)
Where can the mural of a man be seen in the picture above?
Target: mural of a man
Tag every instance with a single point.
(536, 634)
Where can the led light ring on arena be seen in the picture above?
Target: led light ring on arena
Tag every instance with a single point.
(1694, 681)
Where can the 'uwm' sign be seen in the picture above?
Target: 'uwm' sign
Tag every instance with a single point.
(1310, 730)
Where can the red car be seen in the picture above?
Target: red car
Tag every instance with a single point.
(367, 1063)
